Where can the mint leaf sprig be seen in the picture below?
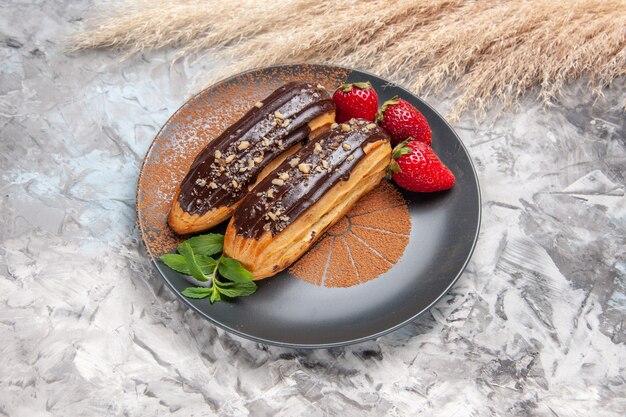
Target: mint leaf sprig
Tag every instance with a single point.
(195, 258)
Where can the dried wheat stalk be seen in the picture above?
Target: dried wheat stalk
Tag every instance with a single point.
(495, 50)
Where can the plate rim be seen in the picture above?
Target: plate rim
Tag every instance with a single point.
(261, 340)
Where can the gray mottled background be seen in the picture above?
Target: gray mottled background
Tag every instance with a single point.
(535, 326)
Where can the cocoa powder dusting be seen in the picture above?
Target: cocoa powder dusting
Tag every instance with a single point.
(312, 266)
(341, 271)
(372, 220)
(187, 132)
(363, 245)
(389, 245)
(368, 263)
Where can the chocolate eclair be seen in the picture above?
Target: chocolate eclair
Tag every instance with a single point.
(285, 213)
(246, 152)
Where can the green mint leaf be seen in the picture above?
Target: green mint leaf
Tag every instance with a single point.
(208, 244)
(197, 292)
(179, 264)
(206, 263)
(176, 262)
(233, 270)
(236, 289)
(215, 293)
(194, 269)
(195, 259)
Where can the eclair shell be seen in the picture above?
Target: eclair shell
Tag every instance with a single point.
(269, 253)
(246, 152)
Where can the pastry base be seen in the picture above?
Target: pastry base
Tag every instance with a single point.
(268, 255)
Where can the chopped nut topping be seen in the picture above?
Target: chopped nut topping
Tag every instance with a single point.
(278, 115)
(230, 158)
(371, 126)
(304, 168)
(243, 169)
(218, 154)
(345, 127)
(334, 125)
(272, 216)
(235, 184)
(270, 193)
(283, 176)
(258, 104)
(325, 163)
(318, 148)
(346, 146)
(278, 181)
(201, 182)
(319, 168)
(213, 185)
(258, 159)
(350, 158)
(294, 161)
(243, 145)
(320, 86)
(250, 164)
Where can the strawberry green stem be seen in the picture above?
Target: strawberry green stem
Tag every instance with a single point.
(364, 85)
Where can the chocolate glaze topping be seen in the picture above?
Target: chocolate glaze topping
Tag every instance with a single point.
(303, 178)
(221, 173)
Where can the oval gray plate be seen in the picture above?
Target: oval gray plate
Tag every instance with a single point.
(290, 312)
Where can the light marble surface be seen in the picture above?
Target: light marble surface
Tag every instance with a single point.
(534, 327)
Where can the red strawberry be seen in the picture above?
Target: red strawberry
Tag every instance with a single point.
(401, 120)
(355, 101)
(415, 167)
